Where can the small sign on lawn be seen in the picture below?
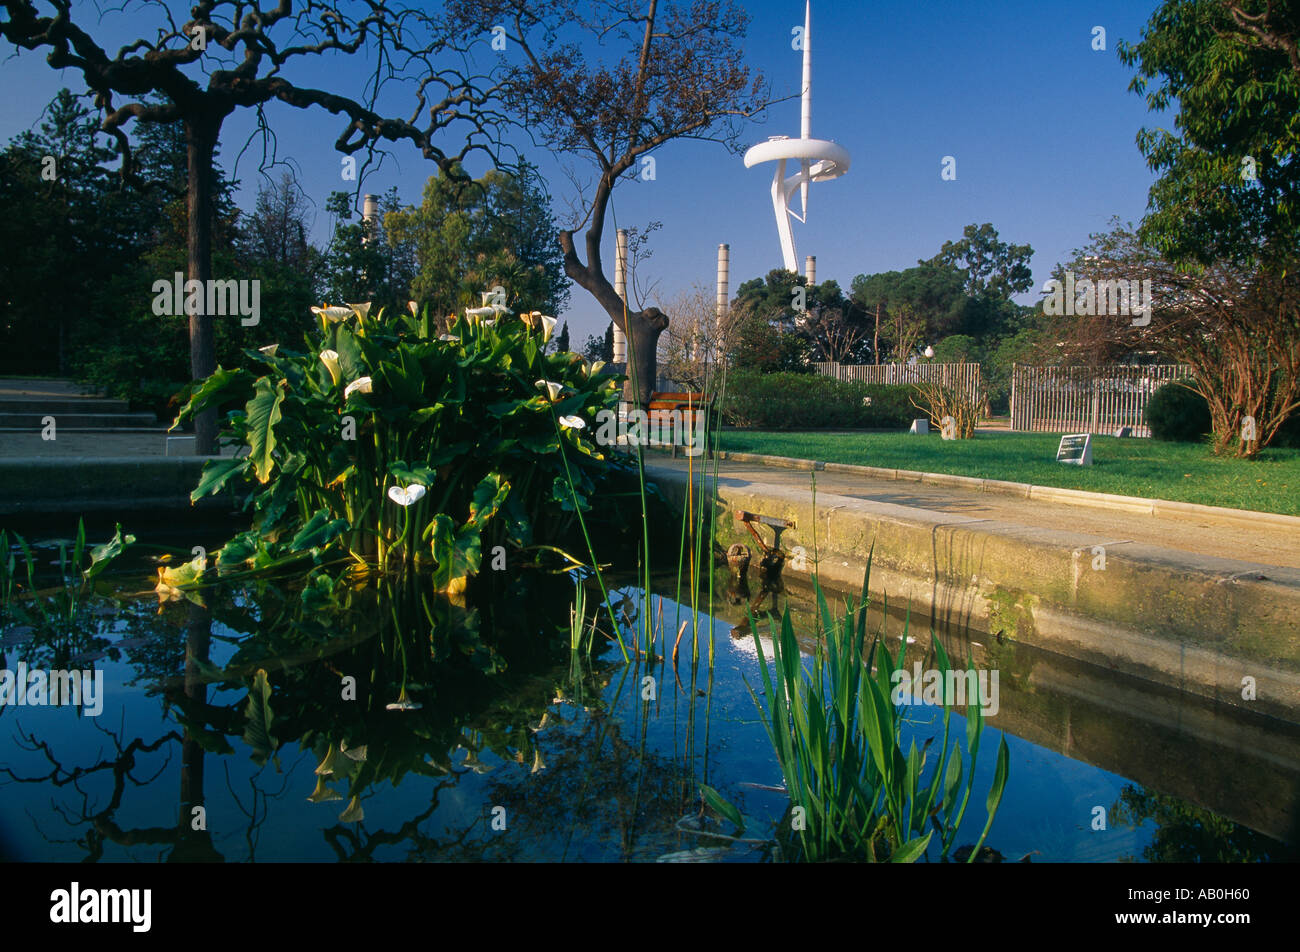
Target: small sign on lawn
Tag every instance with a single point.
(1075, 448)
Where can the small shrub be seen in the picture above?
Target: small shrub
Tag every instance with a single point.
(785, 401)
(1178, 414)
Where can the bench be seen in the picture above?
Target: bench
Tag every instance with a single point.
(666, 411)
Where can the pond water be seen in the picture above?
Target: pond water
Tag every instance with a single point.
(398, 726)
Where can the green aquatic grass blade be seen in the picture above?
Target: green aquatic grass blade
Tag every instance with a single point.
(1000, 775)
(722, 807)
(911, 851)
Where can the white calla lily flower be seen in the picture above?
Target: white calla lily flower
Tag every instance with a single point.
(269, 349)
(333, 314)
(553, 389)
(361, 310)
(407, 495)
(360, 385)
(330, 358)
(573, 423)
(413, 307)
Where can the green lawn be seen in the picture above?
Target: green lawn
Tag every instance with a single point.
(1131, 467)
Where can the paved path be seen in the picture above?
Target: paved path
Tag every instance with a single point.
(1264, 545)
(12, 388)
(88, 445)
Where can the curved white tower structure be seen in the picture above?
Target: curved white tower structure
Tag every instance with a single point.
(819, 160)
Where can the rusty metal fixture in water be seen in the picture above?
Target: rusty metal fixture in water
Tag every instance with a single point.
(770, 564)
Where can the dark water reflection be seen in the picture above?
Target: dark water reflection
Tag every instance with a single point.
(400, 726)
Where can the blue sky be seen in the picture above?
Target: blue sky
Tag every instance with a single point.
(1041, 125)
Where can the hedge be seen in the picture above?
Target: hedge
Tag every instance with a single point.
(785, 401)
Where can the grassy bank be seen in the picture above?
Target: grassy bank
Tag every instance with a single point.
(1179, 472)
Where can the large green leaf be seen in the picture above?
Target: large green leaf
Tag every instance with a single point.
(102, 555)
(459, 554)
(489, 496)
(221, 387)
(235, 553)
(258, 719)
(216, 474)
(263, 414)
(319, 531)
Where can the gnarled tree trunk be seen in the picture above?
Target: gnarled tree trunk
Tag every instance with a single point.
(201, 132)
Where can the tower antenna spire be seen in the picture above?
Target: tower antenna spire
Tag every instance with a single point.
(819, 160)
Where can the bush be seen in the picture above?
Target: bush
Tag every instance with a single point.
(385, 438)
(1289, 433)
(785, 401)
(1178, 414)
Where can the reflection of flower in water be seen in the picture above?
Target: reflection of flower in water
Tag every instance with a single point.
(323, 793)
(326, 767)
(354, 813)
(354, 753)
(473, 763)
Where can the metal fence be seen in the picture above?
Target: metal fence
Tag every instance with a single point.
(1086, 399)
(964, 377)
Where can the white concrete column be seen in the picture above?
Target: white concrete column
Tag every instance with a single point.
(620, 288)
(724, 282)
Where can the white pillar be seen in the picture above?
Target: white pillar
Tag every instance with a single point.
(810, 270)
(620, 288)
(724, 281)
(805, 127)
(370, 209)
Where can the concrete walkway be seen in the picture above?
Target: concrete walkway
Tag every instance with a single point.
(92, 445)
(1264, 545)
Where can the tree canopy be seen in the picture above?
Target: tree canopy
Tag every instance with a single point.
(1229, 184)
(468, 239)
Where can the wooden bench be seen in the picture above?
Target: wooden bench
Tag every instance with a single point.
(669, 408)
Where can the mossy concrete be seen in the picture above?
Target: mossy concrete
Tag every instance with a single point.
(1191, 621)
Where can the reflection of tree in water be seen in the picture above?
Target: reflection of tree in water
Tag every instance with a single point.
(386, 641)
(594, 795)
(1190, 834)
(189, 840)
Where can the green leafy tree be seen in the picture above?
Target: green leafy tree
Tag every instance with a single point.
(1229, 185)
(562, 339)
(600, 348)
(134, 353)
(611, 82)
(363, 262)
(230, 56)
(990, 267)
(903, 308)
(469, 238)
